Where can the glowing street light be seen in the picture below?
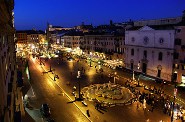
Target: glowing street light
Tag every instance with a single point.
(78, 77)
(115, 76)
(139, 75)
(90, 58)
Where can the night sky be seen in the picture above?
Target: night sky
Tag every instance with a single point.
(68, 13)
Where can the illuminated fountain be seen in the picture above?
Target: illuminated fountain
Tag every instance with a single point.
(108, 92)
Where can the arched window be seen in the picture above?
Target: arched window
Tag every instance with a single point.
(132, 52)
(160, 57)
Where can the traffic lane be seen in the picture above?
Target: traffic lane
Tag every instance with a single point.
(47, 91)
(69, 90)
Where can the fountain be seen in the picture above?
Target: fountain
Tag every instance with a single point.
(107, 93)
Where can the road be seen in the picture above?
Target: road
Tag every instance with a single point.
(63, 109)
(46, 91)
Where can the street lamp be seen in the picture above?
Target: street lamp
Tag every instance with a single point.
(115, 77)
(90, 58)
(133, 78)
(50, 70)
(78, 77)
(175, 94)
(139, 75)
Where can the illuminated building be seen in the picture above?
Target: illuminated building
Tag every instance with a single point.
(179, 55)
(21, 37)
(72, 39)
(112, 46)
(84, 28)
(10, 105)
(152, 48)
(51, 32)
(162, 21)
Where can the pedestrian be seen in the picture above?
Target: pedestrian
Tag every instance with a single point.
(88, 114)
(75, 97)
(144, 104)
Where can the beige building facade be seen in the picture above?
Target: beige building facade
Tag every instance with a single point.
(150, 51)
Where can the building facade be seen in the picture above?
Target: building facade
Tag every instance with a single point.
(72, 41)
(150, 51)
(109, 47)
(21, 37)
(9, 107)
(162, 21)
(179, 55)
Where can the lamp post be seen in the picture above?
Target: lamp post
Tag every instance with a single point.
(139, 74)
(50, 70)
(78, 77)
(115, 77)
(175, 94)
(90, 58)
(133, 78)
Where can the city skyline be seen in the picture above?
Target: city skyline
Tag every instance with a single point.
(35, 14)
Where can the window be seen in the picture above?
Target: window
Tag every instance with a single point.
(161, 40)
(160, 58)
(178, 30)
(145, 54)
(176, 55)
(177, 41)
(183, 67)
(132, 52)
(146, 40)
(133, 39)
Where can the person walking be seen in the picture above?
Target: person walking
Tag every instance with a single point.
(88, 114)
(144, 104)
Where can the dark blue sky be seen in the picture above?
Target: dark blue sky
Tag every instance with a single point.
(68, 13)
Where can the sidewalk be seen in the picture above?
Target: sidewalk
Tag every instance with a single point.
(26, 86)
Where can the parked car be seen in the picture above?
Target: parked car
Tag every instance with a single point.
(45, 110)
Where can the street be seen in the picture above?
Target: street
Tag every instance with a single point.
(58, 94)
